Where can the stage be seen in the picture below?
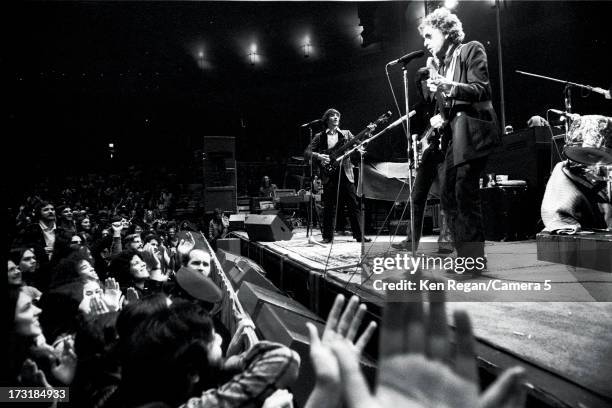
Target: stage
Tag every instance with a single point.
(562, 332)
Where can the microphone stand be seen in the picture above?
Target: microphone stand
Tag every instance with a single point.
(567, 93)
(365, 269)
(309, 225)
(408, 143)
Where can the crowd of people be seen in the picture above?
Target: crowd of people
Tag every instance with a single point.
(112, 298)
(115, 302)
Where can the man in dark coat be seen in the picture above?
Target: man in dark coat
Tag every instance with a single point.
(460, 77)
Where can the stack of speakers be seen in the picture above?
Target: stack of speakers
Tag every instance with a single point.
(219, 173)
(277, 317)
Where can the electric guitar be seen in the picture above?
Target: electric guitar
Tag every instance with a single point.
(339, 149)
(434, 136)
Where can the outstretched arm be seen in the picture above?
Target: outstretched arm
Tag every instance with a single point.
(340, 325)
(417, 368)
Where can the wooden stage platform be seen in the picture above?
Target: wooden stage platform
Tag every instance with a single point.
(562, 335)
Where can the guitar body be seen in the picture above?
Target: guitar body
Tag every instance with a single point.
(434, 138)
(340, 148)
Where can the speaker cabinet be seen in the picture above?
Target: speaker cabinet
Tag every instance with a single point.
(266, 228)
(229, 244)
(236, 222)
(504, 212)
(219, 173)
(253, 297)
(239, 269)
(284, 326)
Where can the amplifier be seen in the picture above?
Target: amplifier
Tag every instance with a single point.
(504, 211)
(236, 222)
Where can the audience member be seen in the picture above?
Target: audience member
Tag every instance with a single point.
(174, 356)
(25, 265)
(217, 227)
(415, 365)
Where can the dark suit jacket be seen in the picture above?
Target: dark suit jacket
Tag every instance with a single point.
(319, 145)
(475, 131)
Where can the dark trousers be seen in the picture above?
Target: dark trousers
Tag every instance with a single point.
(460, 194)
(346, 196)
(431, 166)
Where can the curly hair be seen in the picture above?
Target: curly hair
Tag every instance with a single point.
(445, 21)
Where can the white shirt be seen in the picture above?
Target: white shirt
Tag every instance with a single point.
(332, 138)
(49, 235)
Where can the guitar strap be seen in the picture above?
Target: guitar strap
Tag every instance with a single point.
(450, 71)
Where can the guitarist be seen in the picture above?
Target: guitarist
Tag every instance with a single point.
(321, 143)
(429, 168)
(468, 119)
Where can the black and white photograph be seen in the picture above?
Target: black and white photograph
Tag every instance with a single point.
(308, 204)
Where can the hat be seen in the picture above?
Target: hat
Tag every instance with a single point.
(197, 285)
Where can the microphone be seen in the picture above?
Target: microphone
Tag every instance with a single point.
(407, 58)
(314, 122)
(572, 116)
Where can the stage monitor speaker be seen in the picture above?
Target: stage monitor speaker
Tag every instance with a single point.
(266, 228)
(239, 269)
(229, 244)
(236, 222)
(281, 325)
(252, 298)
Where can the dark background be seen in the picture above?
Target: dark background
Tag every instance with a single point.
(85, 74)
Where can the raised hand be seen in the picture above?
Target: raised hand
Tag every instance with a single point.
(416, 368)
(97, 306)
(112, 295)
(341, 325)
(155, 253)
(131, 295)
(238, 342)
(186, 245)
(65, 368)
(117, 226)
(31, 376)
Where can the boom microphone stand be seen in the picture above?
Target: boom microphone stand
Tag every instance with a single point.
(567, 92)
(365, 273)
(311, 203)
(408, 144)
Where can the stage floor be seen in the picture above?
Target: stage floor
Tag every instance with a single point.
(566, 329)
(508, 263)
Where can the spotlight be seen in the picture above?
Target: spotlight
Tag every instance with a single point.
(253, 56)
(450, 4)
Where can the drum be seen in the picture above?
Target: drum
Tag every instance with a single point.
(589, 140)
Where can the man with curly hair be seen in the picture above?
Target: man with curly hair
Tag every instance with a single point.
(460, 78)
